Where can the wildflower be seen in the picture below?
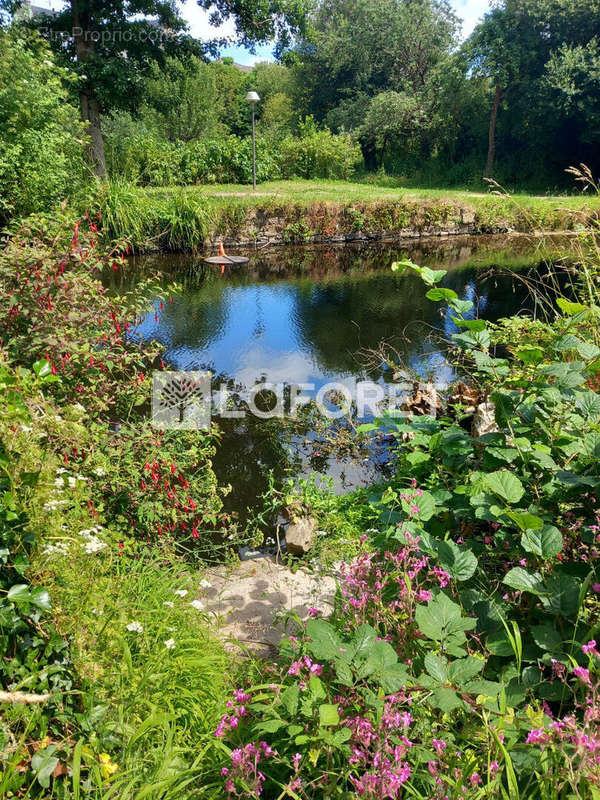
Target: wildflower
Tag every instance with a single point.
(170, 644)
(583, 675)
(475, 779)
(596, 587)
(590, 648)
(205, 584)
(94, 545)
(494, 767)
(168, 603)
(537, 736)
(313, 612)
(181, 592)
(439, 746)
(135, 627)
(197, 604)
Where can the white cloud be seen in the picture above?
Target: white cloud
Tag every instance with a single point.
(470, 11)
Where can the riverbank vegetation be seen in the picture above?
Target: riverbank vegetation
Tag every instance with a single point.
(461, 655)
(460, 659)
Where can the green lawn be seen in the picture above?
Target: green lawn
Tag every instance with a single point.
(307, 192)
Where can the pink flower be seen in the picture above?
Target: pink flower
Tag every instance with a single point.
(313, 612)
(439, 746)
(475, 779)
(596, 587)
(583, 675)
(590, 647)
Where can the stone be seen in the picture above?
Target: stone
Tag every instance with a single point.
(300, 535)
(484, 420)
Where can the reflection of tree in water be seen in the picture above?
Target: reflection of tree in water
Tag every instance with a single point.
(194, 319)
(337, 320)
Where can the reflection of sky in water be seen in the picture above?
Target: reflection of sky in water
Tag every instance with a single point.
(301, 332)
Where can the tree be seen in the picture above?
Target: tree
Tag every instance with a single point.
(359, 49)
(41, 138)
(181, 99)
(513, 48)
(114, 42)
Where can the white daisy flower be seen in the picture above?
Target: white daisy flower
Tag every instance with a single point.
(170, 644)
(168, 603)
(197, 604)
(135, 627)
(181, 592)
(205, 584)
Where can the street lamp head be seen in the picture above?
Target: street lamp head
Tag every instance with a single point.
(252, 97)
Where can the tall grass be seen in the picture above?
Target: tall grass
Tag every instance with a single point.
(176, 220)
(152, 707)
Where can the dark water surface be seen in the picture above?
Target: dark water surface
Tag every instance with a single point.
(310, 314)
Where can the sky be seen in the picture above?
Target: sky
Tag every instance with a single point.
(470, 11)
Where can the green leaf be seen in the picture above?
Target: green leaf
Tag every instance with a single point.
(445, 699)
(570, 309)
(42, 368)
(562, 595)
(289, 698)
(530, 355)
(43, 764)
(461, 306)
(441, 294)
(325, 644)
(546, 637)
(465, 669)
(458, 562)
(19, 593)
(328, 715)
(545, 543)
(524, 581)
(363, 640)
(588, 350)
(436, 667)
(470, 324)
(526, 521)
(505, 485)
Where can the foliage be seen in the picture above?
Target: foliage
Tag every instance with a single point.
(41, 140)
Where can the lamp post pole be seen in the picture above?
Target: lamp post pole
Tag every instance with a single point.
(253, 98)
(253, 151)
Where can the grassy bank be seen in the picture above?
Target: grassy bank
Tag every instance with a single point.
(304, 211)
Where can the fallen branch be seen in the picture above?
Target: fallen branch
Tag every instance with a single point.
(22, 697)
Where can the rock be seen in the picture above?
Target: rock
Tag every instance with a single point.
(484, 420)
(300, 535)
(248, 554)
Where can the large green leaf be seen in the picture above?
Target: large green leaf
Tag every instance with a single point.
(524, 581)
(436, 667)
(325, 644)
(506, 485)
(458, 562)
(545, 543)
(43, 764)
(464, 669)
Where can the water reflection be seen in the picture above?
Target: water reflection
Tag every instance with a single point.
(292, 327)
(307, 315)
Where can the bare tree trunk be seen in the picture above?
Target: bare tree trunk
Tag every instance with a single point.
(90, 108)
(491, 156)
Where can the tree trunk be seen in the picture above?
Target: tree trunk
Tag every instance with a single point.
(90, 113)
(90, 108)
(491, 156)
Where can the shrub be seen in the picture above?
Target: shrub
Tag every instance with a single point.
(319, 154)
(41, 138)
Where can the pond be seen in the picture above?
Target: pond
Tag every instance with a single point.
(316, 315)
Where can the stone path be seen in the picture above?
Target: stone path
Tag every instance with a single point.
(248, 603)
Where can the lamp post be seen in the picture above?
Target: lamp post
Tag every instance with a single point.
(253, 98)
